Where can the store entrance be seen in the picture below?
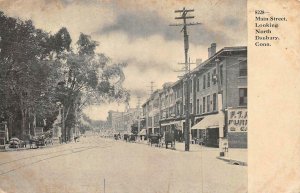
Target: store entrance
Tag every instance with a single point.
(212, 137)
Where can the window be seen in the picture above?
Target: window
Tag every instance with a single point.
(203, 104)
(200, 109)
(243, 96)
(204, 81)
(214, 102)
(208, 103)
(221, 74)
(191, 86)
(208, 79)
(197, 84)
(214, 80)
(243, 68)
(197, 107)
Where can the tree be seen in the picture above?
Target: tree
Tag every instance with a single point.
(89, 78)
(28, 72)
(38, 70)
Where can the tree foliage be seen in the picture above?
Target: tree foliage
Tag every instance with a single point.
(39, 71)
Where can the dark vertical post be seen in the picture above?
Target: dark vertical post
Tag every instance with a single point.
(186, 83)
(104, 185)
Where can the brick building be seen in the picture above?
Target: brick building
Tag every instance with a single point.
(223, 73)
(229, 65)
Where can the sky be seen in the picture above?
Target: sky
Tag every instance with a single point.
(138, 32)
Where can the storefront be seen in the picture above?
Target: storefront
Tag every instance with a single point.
(207, 130)
(176, 127)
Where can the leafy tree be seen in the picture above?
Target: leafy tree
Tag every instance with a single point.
(90, 78)
(39, 70)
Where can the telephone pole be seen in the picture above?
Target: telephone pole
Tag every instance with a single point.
(151, 87)
(184, 16)
(139, 113)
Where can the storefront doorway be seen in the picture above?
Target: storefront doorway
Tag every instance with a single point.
(212, 136)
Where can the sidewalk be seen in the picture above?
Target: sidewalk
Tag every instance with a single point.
(7, 149)
(235, 156)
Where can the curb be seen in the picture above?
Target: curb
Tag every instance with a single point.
(232, 161)
(28, 149)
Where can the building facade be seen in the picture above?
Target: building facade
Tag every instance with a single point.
(151, 112)
(123, 121)
(218, 94)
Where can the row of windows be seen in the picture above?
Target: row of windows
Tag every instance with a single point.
(209, 79)
(207, 104)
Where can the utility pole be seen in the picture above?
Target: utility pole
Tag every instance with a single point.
(139, 114)
(184, 17)
(151, 87)
(220, 106)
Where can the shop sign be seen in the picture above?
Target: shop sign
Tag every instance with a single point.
(237, 120)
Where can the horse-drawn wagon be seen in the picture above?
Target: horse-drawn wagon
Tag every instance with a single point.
(169, 139)
(154, 139)
(43, 139)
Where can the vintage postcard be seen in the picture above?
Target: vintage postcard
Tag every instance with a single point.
(125, 96)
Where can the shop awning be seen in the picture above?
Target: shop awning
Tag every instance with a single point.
(143, 132)
(210, 121)
(177, 124)
(171, 123)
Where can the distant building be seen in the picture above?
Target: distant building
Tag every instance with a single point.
(123, 121)
(151, 112)
(112, 118)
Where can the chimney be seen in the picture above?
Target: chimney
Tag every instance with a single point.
(209, 52)
(213, 49)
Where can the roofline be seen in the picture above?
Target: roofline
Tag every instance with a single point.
(225, 49)
(207, 61)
